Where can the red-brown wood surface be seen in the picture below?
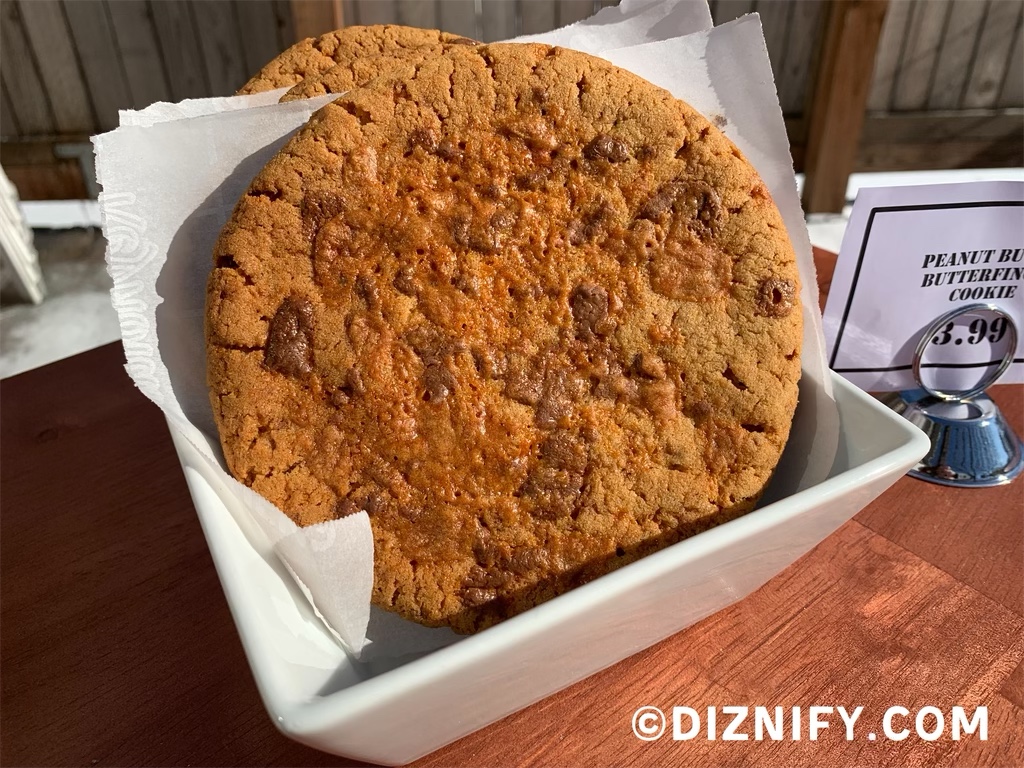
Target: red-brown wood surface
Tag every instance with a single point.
(117, 647)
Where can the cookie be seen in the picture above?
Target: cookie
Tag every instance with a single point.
(314, 56)
(533, 315)
(352, 74)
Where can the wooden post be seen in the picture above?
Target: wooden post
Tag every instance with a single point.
(841, 91)
(312, 18)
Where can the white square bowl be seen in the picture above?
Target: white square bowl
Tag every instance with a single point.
(392, 713)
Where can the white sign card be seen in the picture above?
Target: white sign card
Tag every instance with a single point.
(913, 254)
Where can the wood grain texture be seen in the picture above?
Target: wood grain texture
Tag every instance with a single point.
(60, 180)
(1005, 746)
(727, 10)
(376, 12)
(537, 16)
(943, 127)
(312, 18)
(179, 49)
(959, 47)
(921, 50)
(980, 548)
(258, 33)
(136, 661)
(458, 17)
(349, 13)
(571, 11)
(775, 22)
(27, 152)
(140, 53)
(1002, 26)
(824, 268)
(498, 20)
(218, 32)
(840, 96)
(8, 120)
(1012, 93)
(416, 13)
(929, 155)
(592, 720)
(104, 73)
(24, 86)
(1013, 687)
(285, 24)
(47, 32)
(890, 51)
(928, 140)
(134, 599)
(770, 649)
(803, 44)
(895, 608)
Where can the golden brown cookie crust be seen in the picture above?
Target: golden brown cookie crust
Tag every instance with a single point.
(315, 55)
(534, 315)
(360, 71)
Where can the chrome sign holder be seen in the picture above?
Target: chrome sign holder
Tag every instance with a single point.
(973, 446)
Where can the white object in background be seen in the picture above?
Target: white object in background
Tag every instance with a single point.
(16, 243)
(912, 254)
(60, 214)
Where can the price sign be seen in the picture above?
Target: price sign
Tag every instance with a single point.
(938, 364)
(978, 332)
(913, 255)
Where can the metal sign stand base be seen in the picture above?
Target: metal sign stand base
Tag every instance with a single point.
(973, 446)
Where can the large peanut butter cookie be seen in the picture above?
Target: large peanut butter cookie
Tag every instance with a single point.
(532, 314)
(314, 56)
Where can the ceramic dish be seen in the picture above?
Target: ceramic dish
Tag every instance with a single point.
(394, 712)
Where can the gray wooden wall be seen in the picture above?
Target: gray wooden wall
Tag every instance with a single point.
(959, 55)
(67, 67)
(947, 72)
(948, 86)
(489, 20)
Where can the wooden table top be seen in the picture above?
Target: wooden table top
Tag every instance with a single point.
(117, 647)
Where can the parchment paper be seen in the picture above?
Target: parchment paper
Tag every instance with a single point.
(913, 254)
(170, 183)
(631, 22)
